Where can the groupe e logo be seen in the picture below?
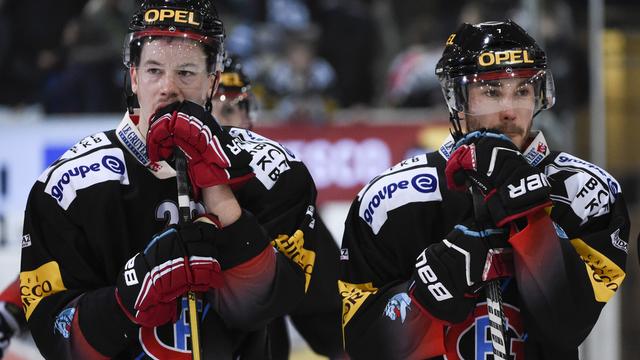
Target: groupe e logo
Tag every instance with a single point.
(423, 183)
(109, 162)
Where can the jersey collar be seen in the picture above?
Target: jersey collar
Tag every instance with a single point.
(537, 149)
(132, 140)
(534, 153)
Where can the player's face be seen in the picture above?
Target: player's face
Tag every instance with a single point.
(503, 104)
(231, 113)
(170, 70)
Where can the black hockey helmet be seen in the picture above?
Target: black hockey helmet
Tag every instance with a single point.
(196, 20)
(491, 51)
(233, 81)
(191, 19)
(234, 89)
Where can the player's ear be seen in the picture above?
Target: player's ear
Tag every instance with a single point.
(133, 75)
(214, 81)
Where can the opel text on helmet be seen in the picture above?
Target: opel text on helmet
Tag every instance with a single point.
(196, 20)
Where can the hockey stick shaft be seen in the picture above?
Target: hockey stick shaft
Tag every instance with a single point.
(185, 216)
(497, 322)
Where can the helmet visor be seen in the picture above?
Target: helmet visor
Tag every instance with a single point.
(136, 39)
(528, 90)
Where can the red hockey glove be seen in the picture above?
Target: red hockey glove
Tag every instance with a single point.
(492, 164)
(213, 156)
(11, 322)
(180, 259)
(449, 272)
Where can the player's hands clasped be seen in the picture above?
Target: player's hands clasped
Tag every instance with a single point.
(447, 272)
(180, 259)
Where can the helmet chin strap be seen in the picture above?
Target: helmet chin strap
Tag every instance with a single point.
(130, 97)
(208, 106)
(456, 130)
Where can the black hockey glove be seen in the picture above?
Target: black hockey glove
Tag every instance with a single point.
(11, 321)
(450, 272)
(491, 163)
(180, 259)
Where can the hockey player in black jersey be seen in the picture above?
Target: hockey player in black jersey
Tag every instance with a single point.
(104, 266)
(550, 227)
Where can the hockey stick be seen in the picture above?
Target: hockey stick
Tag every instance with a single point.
(185, 217)
(497, 321)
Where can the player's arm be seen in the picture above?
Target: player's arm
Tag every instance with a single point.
(286, 213)
(379, 318)
(300, 235)
(248, 262)
(568, 269)
(71, 311)
(283, 197)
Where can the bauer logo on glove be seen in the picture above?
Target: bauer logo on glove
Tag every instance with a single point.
(489, 162)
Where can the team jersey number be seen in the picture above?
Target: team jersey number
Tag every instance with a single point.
(168, 211)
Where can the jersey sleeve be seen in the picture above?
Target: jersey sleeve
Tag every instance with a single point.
(571, 263)
(68, 297)
(389, 223)
(282, 197)
(300, 235)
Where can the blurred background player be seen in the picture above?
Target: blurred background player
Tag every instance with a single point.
(234, 104)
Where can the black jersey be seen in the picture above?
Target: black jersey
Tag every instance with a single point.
(569, 272)
(102, 202)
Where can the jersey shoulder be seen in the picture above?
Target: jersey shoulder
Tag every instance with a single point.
(586, 188)
(270, 159)
(565, 165)
(93, 160)
(413, 180)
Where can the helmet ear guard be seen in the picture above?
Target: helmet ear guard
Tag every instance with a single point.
(219, 63)
(549, 92)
